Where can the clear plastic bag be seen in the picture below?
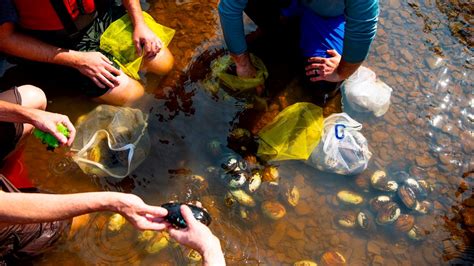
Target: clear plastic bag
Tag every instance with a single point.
(365, 93)
(111, 141)
(342, 149)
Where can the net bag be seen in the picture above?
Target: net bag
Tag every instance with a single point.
(343, 149)
(111, 141)
(220, 72)
(117, 40)
(293, 134)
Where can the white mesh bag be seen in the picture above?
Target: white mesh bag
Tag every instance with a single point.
(111, 141)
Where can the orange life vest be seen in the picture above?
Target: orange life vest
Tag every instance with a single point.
(41, 15)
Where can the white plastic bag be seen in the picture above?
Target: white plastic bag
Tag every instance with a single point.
(342, 149)
(111, 141)
(365, 93)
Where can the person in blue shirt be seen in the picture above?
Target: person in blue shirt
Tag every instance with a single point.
(335, 35)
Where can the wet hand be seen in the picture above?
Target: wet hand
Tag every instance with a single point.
(99, 68)
(245, 69)
(146, 42)
(139, 214)
(47, 122)
(196, 235)
(321, 68)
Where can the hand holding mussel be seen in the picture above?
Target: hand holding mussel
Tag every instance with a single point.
(175, 217)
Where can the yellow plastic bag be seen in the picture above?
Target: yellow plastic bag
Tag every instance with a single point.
(117, 40)
(293, 134)
(219, 69)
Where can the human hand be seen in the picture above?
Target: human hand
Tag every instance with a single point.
(146, 42)
(139, 214)
(198, 237)
(245, 69)
(99, 68)
(321, 68)
(48, 122)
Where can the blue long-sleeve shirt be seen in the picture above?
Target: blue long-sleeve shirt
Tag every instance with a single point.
(361, 24)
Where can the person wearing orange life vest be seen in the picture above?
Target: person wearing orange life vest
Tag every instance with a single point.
(66, 33)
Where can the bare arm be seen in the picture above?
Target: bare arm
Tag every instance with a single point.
(145, 40)
(45, 121)
(92, 64)
(36, 207)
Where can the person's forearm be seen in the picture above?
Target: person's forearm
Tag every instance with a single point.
(213, 255)
(346, 69)
(35, 207)
(20, 45)
(134, 11)
(230, 14)
(15, 113)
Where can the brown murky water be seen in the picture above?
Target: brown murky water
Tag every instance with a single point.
(423, 51)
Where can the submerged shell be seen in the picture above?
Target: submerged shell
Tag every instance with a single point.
(116, 221)
(365, 220)
(270, 174)
(146, 235)
(377, 202)
(230, 163)
(237, 180)
(414, 185)
(333, 258)
(239, 133)
(160, 242)
(255, 181)
(380, 181)
(404, 223)
(242, 197)
(346, 219)
(273, 210)
(407, 196)
(198, 182)
(305, 263)
(415, 233)
(194, 256)
(388, 213)
(349, 197)
(293, 196)
(401, 176)
(423, 207)
(427, 187)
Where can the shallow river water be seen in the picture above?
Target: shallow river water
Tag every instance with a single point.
(423, 50)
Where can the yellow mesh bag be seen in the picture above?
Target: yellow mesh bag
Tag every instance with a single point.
(117, 40)
(220, 66)
(293, 134)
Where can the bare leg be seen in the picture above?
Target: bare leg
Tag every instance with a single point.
(126, 93)
(161, 64)
(32, 97)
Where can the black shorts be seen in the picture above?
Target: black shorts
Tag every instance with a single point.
(20, 242)
(10, 133)
(59, 78)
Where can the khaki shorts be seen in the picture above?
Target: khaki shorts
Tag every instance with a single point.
(20, 242)
(10, 133)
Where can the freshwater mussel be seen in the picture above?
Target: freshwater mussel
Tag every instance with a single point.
(381, 181)
(175, 217)
(377, 202)
(349, 197)
(388, 213)
(407, 196)
(404, 223)
(346, 219)
(366, 221)
(273, 210)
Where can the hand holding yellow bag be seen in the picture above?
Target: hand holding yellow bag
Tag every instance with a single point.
(117, 40)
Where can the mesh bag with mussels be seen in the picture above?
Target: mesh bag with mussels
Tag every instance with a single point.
(342, 149)
(111, 141)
